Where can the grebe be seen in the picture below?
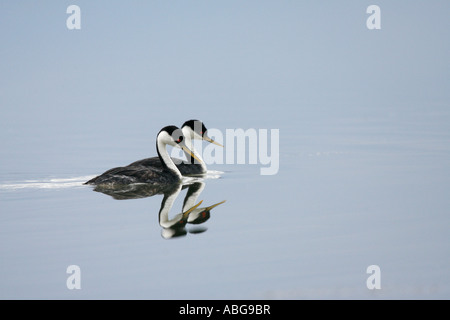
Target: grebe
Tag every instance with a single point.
(192, 129)
(166, 173)
(190, 212)
(197, 215)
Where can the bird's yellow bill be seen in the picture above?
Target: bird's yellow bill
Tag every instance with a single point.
(211, 140)
(185, 214)
(190, 153)
(214, 205)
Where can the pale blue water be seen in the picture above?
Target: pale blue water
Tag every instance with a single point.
(364, 155)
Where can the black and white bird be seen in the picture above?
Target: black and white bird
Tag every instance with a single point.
(192, 129)
(165, 173)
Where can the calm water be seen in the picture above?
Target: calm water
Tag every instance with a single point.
(364, 151)
(375, 193)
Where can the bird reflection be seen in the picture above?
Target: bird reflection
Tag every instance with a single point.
(136, 190)
(197, 215)
(191, 212)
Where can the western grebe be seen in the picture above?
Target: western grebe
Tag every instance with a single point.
(166, 173)
(197, 215)
(178, 221)
(192, 129)
(190, 212)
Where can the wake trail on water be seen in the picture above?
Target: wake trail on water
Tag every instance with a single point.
(63, 183)
(48, 183)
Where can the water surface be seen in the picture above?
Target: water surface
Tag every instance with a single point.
(364, 148)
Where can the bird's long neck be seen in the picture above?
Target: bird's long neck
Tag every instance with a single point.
(189, 144)
(192, 195)
(166, 205)
(166, 160)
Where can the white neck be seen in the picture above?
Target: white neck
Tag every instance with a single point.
(162, 149)
(166, 205)
(190, 200)
(189, 144)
